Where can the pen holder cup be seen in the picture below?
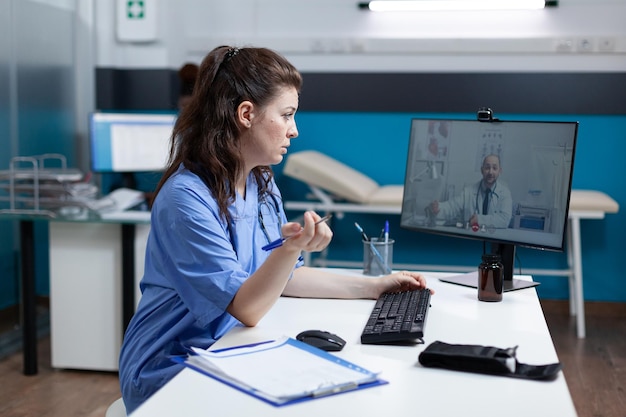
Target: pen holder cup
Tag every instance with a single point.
(377, 257)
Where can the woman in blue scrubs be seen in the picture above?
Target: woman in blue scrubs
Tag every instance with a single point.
(216, 206)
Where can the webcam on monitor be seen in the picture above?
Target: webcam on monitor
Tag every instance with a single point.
(485, 114)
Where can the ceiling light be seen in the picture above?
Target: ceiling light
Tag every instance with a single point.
(435, 5)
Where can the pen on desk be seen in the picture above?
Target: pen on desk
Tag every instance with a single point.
(249, 345)
(279, 242)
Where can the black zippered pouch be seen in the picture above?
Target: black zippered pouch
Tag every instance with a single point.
(485, 360)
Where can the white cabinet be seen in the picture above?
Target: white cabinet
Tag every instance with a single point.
(86, 292)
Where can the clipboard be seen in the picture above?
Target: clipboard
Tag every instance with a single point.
(281, 372)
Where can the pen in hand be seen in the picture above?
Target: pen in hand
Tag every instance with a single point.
(279, 242)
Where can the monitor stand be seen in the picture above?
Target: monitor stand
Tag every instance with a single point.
(507, 254)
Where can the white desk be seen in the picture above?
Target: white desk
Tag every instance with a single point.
(456, 316)
(584, 204)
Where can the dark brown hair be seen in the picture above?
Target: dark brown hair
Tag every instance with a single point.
(206, 137)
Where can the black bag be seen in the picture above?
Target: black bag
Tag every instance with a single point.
(484, 360)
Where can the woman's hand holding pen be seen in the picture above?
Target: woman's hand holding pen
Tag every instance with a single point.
(259, 292)
(314, 236)
(400, 281)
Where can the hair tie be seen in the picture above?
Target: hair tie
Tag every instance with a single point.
(232, 52)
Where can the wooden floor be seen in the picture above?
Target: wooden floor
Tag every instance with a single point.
(594, 368)
(54, 393)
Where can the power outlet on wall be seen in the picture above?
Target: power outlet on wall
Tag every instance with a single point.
(585, 45)
(606, 44)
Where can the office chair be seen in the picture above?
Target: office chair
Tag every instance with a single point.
(116, 409)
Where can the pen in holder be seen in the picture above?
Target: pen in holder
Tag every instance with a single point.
(377, 256)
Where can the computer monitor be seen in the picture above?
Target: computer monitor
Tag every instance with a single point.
(527, 164)
(129, 142)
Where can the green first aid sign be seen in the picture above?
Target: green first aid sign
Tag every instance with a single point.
(136, 20)
(135, 9)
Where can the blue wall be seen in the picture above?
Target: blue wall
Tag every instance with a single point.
(376, 144)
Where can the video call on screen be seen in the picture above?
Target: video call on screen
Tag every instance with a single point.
(536, 158)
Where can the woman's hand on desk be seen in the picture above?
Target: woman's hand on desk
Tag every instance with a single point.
(401, 281)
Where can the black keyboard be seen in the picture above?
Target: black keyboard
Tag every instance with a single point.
(397, 317)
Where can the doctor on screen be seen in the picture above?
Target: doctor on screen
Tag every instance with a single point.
(486, 203)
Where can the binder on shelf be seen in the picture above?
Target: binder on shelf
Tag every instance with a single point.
(281, 372)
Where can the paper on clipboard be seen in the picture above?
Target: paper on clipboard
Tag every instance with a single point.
(282, 371)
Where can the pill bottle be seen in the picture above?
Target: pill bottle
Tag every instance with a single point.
(490, 278)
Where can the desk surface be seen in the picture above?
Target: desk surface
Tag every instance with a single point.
(456, 316)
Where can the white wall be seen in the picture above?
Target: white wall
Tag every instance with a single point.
(334, 35)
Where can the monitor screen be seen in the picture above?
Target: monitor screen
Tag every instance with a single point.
(506, 182)
(129, 142)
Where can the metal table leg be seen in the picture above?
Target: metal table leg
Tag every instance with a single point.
(128, 273)
(29, 307)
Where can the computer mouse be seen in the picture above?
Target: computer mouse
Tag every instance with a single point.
(322, 339)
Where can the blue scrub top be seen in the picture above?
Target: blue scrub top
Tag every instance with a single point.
(195, 263)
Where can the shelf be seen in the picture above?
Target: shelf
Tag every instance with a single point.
(40, 184)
